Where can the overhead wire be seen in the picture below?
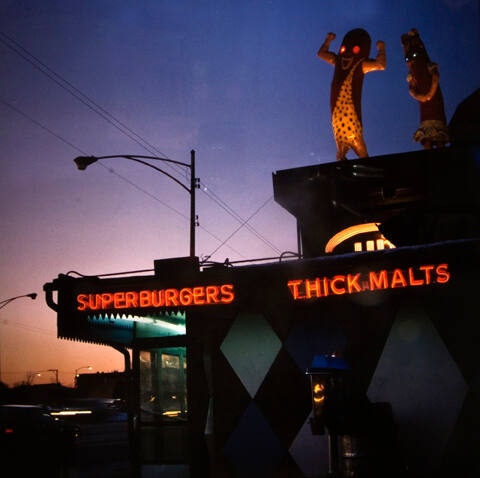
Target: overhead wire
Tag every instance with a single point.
(102, 112)
(244, 223)
(28, 327)
(111, 170)
(53, 76)
(40, 125)
(239, 227)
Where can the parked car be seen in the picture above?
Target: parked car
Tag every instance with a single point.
(31, 438)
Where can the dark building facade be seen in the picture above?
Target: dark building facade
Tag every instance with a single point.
(105, 385)
(387, 282)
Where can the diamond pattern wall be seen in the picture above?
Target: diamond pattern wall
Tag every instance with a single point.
(284, 398)
(229, 391)
(253, 448)
(310, 452)
(251, 346)
(415, 349)
(417, 375)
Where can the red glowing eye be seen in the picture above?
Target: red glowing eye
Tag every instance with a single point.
(342, 49)
(356, 49)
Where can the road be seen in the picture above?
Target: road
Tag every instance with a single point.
(101, 452)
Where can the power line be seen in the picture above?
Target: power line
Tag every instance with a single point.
(239, 227)
(34, 121)
(136, 186)
(52, 77)
(73, 87)
(111, 170)
(230, 211)
(102, 112)
(29, 328)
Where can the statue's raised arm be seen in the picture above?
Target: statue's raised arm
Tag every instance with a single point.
(379, 63)
(324, 52)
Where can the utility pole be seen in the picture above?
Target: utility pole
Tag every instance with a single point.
(56, 374)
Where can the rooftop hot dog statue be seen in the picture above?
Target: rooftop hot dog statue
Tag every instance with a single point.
(424, 86)
(351, 64)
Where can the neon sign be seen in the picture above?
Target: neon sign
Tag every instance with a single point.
(203, 295)
(304, 289)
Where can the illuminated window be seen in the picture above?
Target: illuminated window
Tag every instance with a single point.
(370, 228)
(170, 361)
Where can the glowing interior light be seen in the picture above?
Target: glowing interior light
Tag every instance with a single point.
(380, 244)
(388, 244)
(370, 245)
(352, 231)
(357, 247)
(180, 329)
(173, 413)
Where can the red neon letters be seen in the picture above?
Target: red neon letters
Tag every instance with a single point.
(202, 295)
(374, 280)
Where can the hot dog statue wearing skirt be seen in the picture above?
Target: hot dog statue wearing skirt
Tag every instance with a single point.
(424, 86)
(351, 64)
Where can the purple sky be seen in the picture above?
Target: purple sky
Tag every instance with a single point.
(238, 81)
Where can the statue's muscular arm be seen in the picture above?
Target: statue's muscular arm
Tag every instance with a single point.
(324, 53)
(380, 63)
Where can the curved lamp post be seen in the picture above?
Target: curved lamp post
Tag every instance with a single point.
(38, 373)
(83, 162)
(32, 375)
(89, 367)
(5, 302)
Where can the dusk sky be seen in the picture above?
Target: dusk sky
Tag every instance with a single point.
(237, 81)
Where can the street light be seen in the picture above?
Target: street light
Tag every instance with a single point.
(89, 367)
(83, 162)
(38, 373)
(5, 302)
(31, 376)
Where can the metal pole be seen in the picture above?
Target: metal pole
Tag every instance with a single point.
(55, 370)
(192, 203)
(299, 239)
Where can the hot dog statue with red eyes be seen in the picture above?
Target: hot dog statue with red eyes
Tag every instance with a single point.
(351, 64)
(424, 86)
